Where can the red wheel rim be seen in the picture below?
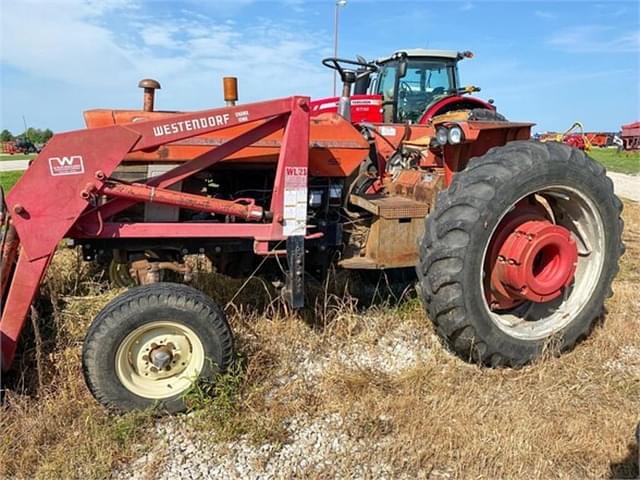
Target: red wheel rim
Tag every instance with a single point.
(529, 259)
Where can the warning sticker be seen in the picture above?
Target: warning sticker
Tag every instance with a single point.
(71, 165)
(295, 201)
(387, 131)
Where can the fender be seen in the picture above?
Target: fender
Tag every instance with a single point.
(452, 103)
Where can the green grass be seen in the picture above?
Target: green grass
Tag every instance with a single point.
(17, 156)
(8, 179)
(623, 162)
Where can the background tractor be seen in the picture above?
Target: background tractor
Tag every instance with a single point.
(410, 86)
(515, 242)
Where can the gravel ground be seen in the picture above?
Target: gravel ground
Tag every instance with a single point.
(628, 361)
(393, 353)
(13, 165)
(626, 186)
(315, 448)
(321, 447)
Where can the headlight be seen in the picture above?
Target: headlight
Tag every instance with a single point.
(455, 135)
(441, 135)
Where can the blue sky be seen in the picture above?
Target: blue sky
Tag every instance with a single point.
(547, 62)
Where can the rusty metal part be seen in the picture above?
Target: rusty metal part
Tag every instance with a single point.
(146, 272)
(392, 239)
(242, 208)
(150, 86)
(181, 268)
(143, 273)
(391, 207)
(230, 87)
(10, 246)
(161, 356)
(420, 185)
(390, 243)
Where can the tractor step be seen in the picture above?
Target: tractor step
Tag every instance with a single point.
(393, 237)
(391, 207)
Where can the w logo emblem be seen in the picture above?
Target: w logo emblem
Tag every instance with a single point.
(71, 165)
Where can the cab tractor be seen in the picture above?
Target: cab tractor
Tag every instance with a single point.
(410, 86)
(515, 242)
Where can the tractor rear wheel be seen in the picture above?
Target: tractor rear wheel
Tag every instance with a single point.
(521, 248)
(148, 346)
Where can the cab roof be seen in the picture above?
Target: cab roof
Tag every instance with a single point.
(422, 52)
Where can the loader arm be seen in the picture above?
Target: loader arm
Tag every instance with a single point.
(72, 175)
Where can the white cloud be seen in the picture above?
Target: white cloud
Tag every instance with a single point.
(466, 6)
(107, 46)
(545, 14)
(68, 45)
(158, 36)
(596, 39)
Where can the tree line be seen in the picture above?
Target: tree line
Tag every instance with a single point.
(35, 135)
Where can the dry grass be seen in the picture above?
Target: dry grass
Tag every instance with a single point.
(51, 426)
(418, 409)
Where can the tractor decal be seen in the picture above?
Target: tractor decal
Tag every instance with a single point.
(71, 165)
(195, 124)
(295, 201)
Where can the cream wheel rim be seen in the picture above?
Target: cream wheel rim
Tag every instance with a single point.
(159, 359)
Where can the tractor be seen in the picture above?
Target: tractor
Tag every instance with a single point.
(515, 243)
(410, 86)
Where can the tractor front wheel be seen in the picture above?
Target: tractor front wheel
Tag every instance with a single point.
(148, 346)
(521, 248)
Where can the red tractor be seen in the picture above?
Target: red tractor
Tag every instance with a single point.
(515, 242)
(410, 86)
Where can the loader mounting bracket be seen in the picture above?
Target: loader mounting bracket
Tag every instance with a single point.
(294, 288)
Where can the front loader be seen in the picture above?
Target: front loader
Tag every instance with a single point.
(514, 242)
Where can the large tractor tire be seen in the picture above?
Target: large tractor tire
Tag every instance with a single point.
(148, 346)
(520, 252)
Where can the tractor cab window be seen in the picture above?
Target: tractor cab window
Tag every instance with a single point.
(405, 99)
(385, 86)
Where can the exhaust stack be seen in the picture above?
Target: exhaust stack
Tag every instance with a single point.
(150, 86)
(230, 86)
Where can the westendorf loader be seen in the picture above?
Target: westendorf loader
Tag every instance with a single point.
(520, 243)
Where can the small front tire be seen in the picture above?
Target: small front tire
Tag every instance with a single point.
(149, 345)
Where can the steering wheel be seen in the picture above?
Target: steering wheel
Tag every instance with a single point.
(348, 74)
(404, 88)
